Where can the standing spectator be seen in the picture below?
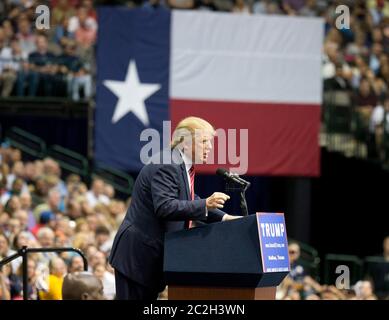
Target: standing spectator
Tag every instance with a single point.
(57, 268)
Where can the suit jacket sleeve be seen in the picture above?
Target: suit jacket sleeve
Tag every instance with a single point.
(214, 215)
(165, 194)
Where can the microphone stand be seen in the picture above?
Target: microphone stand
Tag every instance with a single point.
(243, 203)
(232, 186)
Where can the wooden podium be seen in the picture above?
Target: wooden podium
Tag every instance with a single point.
(219, 261)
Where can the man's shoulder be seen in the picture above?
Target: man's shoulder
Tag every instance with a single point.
(167, 157)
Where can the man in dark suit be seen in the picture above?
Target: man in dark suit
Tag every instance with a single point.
(163, 200)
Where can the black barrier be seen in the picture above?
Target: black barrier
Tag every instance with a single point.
(23, 252)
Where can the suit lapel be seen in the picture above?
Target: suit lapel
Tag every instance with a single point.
(177, 156)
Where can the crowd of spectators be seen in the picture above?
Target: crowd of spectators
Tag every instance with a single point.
(60, 61)
(39, 209)
(300, 285)
(47, 62)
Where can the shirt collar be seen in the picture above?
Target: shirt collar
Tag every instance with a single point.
(187, 161)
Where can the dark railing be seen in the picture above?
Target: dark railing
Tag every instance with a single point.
(23, 252)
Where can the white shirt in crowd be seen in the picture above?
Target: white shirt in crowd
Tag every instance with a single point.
(93, 200)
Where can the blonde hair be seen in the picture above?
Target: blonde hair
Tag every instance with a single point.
(188, 127)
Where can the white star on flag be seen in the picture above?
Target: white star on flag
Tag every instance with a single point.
(131, 95)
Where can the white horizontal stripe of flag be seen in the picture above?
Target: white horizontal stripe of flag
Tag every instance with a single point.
(258, 58)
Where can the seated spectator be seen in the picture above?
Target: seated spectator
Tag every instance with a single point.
(153, 4)
(96, 194)
(32, 292)
(297, 272)
(82, 18)
(6, 251)
(61, 32)
(85, 36)
(103, 239)
(74, 72)
(181, 4)
(364, 291)
(41, 70)
(61, 11)
(205, 5)
(385, 246)
(52, 204)
(338, 82)
(39, 193)
(8, 31)
(265, 7)
(46, 219)
(4, 288)
(12, 282)
(108, 280)
(292, 7)
(378, 125)
(7, 76)
(82, 286)
(240, 6)
(309, 9)
(26, 37)
(76, 264)
(88, 5)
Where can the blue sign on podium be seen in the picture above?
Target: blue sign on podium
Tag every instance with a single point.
(273, 242)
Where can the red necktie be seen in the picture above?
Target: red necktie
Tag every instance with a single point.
(191, 177)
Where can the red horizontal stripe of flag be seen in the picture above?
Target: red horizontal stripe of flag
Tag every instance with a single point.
(283, 138)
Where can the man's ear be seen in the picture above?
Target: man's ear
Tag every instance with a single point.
(85, 296)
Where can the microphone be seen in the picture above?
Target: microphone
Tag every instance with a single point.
(232, 177)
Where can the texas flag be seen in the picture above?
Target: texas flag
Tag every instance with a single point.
(258, 74)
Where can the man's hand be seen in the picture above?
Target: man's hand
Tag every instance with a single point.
(228, 217)
(217, 200)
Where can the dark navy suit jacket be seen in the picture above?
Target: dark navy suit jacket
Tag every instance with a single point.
(160, 203)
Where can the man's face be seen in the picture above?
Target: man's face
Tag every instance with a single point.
(77, 264)
(294, 252)
(201, 146)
